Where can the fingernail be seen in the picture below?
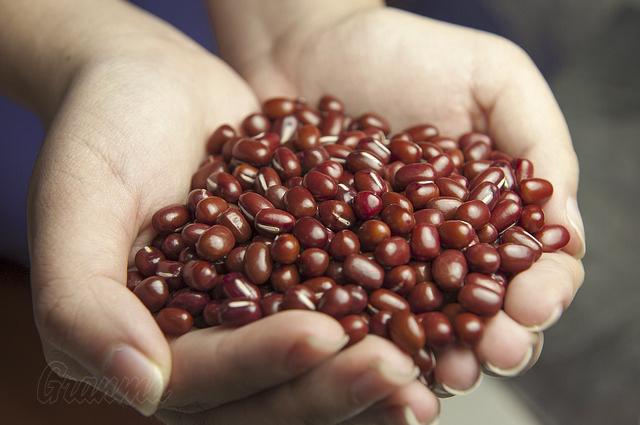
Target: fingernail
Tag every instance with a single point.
(312, 349)
(455, 391)
(409, 417)
(327, 345)
(376, 380)
(527, 362)
(400, 415)
(132, 377)
(550, 321)
(575, 219)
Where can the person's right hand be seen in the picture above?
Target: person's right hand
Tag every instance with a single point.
(125, 140)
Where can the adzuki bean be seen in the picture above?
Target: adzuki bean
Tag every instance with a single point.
(412, 236)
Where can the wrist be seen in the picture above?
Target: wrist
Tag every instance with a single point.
(250, 31)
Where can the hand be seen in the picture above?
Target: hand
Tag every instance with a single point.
(413, 70)
(124, 141)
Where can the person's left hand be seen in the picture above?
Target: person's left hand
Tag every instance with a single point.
(414, 70)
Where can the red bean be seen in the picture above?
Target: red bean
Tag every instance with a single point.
(505, 214)
(299, 298)
(437, 328)
(246, 175)
(153, 292)
(406, 331)
(426, 361)
(470, 138)
(429, 216)
(209, 209)
(451, 188)
(219, 137)
(394, 198)
(237, 224)
(515, 258)
(343, 244)
(487, 233)
(285, 277)
(226, 186)
(405, 151)
(171, 271)
(313, 262)
(535, 191)
(456, 234)
(392, 252)
(199, 275)
(271, 304)
(271, 222)
(336, 302)
(310, 232)
(520, 236)
(524, 169)
(379, 323)
(235, 313)
(215, 243)
(420, 193)
(371, 233)
(257, 263)
(400, 279)
(532, 218)
(449, 270)
(376, 147)
(480, 300)
(447, 205)
(486, 192)
(319, 285)
(425, 242)
(483, 258)
(321, 186)
(235, 259)
(336, 215)
(363, 160)
(355, 327)
(367, 205)
(399, 220)
(365, 272)
(147, 260)
(413, 173)
(189, 300)
(170, 218)
(469, 328)
(553, 237)
(174, 321)
(425, 296)
(384, 299)
(278, 107)
(422, 132)
(250, 203)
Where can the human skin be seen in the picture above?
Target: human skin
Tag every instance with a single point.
(412, 70)
(128, 103)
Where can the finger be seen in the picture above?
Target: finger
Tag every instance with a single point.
(506, 348)
(537, 297)
(338, 389)
(217, 365)
(525, 120)
(79, 246)
(457, 371)
(410, 405)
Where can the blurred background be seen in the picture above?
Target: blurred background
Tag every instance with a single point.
(589, 372)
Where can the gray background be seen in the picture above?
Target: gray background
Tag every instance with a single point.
(589, 372)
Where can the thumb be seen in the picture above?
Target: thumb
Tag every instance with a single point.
(526, 121)
(81, 304)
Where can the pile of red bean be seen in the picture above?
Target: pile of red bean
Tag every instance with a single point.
(413, 236)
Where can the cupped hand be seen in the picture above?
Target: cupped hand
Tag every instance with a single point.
(125, 140)
(414, 70)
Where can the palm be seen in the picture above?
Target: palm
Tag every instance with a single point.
(414, 70)
(394, 64)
